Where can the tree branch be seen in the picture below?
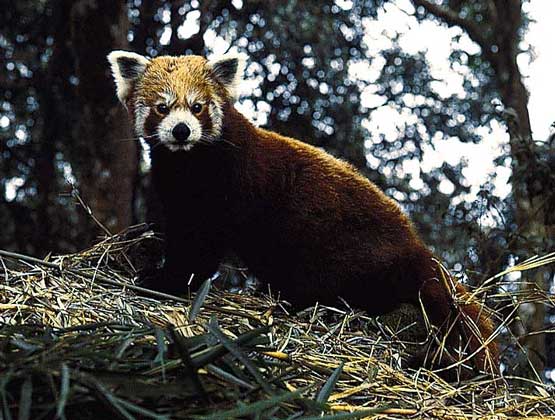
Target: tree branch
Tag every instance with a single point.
(453, 19)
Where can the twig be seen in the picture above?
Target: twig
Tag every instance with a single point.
(102, 279)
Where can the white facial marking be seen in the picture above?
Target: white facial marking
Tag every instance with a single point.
(216, 115)
(168, 97)
(175, 117)
(194, 96)
(141, 114)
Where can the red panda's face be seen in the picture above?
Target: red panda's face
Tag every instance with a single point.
(176, 101)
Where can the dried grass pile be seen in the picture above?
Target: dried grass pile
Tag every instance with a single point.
(79, 340)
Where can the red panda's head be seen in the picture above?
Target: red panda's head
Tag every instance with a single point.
(176, 101)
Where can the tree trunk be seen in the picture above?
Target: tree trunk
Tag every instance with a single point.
(107, 161)
(529, 210)
(52, 81)
(499, 36)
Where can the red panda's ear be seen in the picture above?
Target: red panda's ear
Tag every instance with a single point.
(229, 70)
(127, 67)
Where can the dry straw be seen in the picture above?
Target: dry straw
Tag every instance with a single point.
(78, 339)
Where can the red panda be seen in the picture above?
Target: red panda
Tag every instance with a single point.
(302, 220)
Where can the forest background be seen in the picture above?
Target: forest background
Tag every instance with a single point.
(428, 98)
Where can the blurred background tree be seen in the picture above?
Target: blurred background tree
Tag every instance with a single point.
(317, 73)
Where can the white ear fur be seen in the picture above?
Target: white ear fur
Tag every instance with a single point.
(229, 70)
(126, 67)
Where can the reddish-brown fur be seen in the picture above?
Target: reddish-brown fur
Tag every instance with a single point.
(302, 220)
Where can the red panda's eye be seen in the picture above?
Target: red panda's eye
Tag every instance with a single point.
(162, 109)
(196, 108)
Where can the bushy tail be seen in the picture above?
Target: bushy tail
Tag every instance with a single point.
(461, 319)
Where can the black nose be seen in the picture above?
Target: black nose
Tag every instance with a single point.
(181, 132)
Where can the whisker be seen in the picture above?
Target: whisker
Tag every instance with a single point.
(126, 140)
(230, 143)
(213, 142)
(154, 146)
(137, 138)
(205, 142)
